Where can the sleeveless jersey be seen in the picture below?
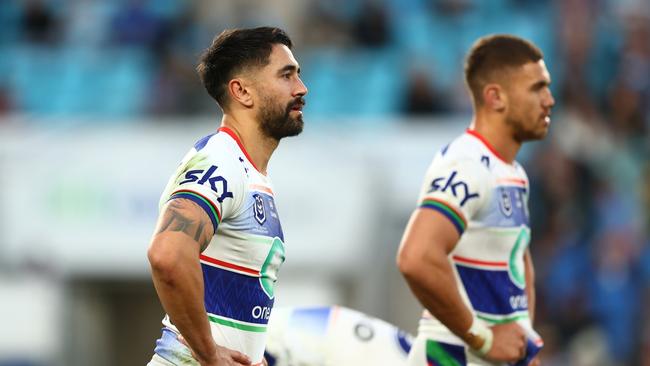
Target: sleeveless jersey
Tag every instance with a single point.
(486, 199)
(241, 262)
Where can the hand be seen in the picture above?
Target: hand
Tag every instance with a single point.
(535, 362)
(222, 356)
(509, 344)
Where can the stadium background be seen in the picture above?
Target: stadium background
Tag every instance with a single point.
(99, 101)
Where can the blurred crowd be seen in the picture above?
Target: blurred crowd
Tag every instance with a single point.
(590, 194)
(591, 197)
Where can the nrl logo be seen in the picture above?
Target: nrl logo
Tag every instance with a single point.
(258, 209)
(505, 203)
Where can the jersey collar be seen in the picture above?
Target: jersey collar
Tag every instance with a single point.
(234, 136)
(486, 143)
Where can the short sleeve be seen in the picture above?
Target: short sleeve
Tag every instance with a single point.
(455, 188)
(209, 179)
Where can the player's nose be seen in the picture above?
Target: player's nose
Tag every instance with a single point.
(301, 88)
(549, 101)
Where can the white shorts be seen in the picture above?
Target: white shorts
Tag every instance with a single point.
(159, 361)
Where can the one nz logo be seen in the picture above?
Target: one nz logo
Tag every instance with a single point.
(258, 209)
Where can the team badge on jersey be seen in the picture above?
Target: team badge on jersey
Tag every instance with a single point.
(258, 209)
(505, 202)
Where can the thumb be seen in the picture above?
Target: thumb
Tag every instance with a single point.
(240, 357)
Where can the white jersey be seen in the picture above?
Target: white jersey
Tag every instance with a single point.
(241, 262)
(333, 336)
(486, 199)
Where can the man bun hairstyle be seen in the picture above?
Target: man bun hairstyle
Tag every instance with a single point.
(233, 51)
(493, 54)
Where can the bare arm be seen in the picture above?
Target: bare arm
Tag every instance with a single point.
(530, 284)
(423, 260)
(183, 231)
(530, 294)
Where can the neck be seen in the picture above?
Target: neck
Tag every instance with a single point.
(497, 133)
(259, 147)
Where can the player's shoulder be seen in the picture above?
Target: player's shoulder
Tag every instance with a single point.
(218, 145)
(464, 151)
(217, 149)
(519, 168)
(521, 172)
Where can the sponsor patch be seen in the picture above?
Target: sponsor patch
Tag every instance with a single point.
(455, 186)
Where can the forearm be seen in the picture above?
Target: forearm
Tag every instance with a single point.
(436, 288)
(530, 293)
(530, 285)
(179, 283)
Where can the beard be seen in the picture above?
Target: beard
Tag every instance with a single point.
(276, 121)
(521, 132)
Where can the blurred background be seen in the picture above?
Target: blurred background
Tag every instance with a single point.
(99, 101)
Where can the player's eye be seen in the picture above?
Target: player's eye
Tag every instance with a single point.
(540, 86)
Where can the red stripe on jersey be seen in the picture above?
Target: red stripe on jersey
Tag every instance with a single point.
(486, 143)
(229, 265)
(512, 181)
(478, 262)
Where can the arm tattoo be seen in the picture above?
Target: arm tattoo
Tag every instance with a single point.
(180, 215)
(197, 236)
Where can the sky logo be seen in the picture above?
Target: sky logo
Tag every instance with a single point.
(217, 183)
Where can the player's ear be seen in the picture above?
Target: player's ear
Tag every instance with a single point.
(240, 92)
(495, 97)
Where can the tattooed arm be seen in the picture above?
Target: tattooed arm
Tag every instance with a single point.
(183, 231)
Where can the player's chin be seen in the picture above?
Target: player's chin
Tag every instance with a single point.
(295, 126)
(541, 133)
(533, 135)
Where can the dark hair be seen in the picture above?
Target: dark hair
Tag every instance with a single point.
(495, 53)
(234, 50)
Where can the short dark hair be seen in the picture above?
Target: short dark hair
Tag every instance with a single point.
(495, 53)
(234, 50)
